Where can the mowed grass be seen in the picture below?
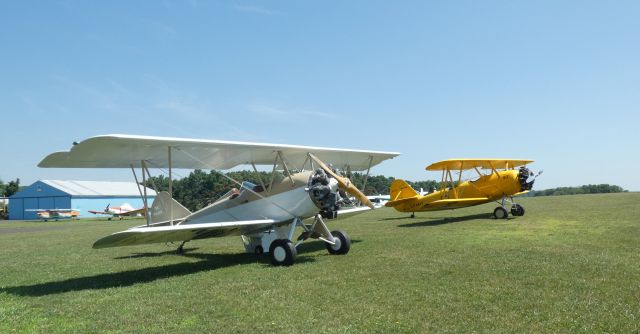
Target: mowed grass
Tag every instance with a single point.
(571, 264)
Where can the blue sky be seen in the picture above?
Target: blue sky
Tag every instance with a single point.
(553, 81)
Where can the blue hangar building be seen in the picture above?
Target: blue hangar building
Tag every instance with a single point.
(80, 195)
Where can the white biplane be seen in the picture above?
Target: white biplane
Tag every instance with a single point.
(266, 216)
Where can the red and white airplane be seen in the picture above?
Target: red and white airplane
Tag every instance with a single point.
(119, 211)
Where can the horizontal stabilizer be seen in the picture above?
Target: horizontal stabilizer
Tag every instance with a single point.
(400, 201)
(178, 233)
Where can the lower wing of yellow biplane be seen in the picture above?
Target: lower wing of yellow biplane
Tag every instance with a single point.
(460, 201)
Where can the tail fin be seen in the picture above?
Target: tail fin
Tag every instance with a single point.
(400, 191)
(165, 208)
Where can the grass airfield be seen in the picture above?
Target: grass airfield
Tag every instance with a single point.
(571, 264)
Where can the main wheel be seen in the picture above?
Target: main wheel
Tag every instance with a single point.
(517, 210)
(500, 213)
(282, 252)
(342, 243)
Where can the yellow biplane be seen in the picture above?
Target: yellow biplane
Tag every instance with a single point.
(498, 180)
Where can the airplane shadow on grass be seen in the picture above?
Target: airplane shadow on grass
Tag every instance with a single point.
(145, 275)
(447, 220)
(307, 247)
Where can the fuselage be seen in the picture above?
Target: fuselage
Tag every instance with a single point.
(289, 198)
(53, 214)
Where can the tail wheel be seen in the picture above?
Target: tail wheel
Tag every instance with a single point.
(500, 213)
(342, 243)
(517, 210)
(282, 252)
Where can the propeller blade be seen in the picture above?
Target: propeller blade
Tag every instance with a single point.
(344, 183)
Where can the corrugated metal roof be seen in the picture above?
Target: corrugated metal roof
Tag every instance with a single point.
(97, 188)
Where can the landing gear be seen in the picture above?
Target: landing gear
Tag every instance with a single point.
(413, 215)
(258, 250)
(282, 252)
(500, 213)
(517, 210)
(342, 243)
(180, 249)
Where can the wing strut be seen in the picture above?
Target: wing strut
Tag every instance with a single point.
(144, 196)
(144, 185)
(259, 176)
(305, 163)
(170, 186)
(284, 165)
(364, 184)
(459, 180)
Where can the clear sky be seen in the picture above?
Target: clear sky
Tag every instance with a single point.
(553, 81)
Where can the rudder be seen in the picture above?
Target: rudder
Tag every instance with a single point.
(165, 208)
(400, 191)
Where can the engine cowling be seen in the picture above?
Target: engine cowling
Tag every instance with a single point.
(323, 190)
(523, 176)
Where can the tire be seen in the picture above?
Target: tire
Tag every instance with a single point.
(258, 250)
(517, 210)
(500, 213)
(282, 252)
(342, 245)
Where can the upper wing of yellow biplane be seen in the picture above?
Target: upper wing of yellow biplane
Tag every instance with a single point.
(464, 164)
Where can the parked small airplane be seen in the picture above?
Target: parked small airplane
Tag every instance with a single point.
(120, 212)
(378, 200)
(502, 183)
(265, 215)
(56, 214)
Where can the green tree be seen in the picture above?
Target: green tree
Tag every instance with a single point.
(10, 188)
(585, 189)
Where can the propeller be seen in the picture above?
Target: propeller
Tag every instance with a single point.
(533, 175)
(344, 183)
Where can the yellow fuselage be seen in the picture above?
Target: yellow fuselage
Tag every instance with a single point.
(485, 189)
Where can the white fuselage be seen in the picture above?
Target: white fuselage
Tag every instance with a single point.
(290, 200)
(279, 207)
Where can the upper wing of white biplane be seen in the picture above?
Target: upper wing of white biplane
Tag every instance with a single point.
(464, 164)
(123, 151)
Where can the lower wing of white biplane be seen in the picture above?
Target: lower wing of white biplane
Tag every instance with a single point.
(162, 232)
(179, 233)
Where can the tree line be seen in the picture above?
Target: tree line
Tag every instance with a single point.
(200, 188)
(586, 189)
(10, 188)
